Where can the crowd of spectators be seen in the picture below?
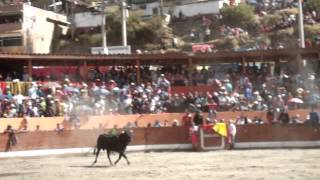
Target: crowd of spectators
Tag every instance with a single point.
(248, 88)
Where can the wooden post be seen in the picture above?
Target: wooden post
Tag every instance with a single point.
(30, 69)
(190, 69)
(299, 62)
(243, 62)
(262, 58)
(85, 70)
(138, 71)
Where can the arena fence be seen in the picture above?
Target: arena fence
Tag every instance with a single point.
(145, 139)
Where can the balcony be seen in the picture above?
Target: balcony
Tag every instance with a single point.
(10, 27)
(10, 9)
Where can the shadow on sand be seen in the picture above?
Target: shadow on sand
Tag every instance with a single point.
(15, 174)
(90, 166)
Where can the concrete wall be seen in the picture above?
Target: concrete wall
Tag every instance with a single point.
(38, 32)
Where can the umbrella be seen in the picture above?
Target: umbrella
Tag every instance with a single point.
(72, 89)
(104, 92)
(314, 99)
(4, 96)
(116, 89)
(295, 100)
(83, 110)
(50, 85)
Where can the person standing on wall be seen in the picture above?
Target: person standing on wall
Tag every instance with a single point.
(12, 139)
(194, 136)
(232, 130)
(198, 119)
(187, 119)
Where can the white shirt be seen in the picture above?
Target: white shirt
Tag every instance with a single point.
(233, 129)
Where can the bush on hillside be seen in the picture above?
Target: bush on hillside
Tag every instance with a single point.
(288, 11)
(286, 37)
(312, 30)
(239, 16)
(312, 5)
(270, 20)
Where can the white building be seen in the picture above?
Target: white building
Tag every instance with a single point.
(87, 19)
(27, 29)
(187, 8)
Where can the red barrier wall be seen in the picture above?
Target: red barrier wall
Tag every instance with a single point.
(277, 132)
(153, 136)
(87, 138)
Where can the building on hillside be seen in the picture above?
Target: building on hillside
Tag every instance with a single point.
(27, 29)
(86, 21)
(185, 8)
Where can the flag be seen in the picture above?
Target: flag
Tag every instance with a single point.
(221, 128)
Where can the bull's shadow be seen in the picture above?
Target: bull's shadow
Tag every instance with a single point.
(90, 166)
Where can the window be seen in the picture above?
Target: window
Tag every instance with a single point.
(155, 11)
(10, 41)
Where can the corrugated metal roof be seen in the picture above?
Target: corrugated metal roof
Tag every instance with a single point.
(166, 58)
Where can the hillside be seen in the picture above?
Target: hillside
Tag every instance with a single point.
(236, 28)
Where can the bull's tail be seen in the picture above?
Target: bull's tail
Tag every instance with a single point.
(94, 150)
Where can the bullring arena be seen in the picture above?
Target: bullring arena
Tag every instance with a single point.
(244, 164)
(268, 150)
(163, 153)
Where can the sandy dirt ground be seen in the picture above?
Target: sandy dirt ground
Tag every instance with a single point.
(215, 165)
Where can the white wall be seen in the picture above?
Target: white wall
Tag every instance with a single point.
(38, 32)
(149, 8)
(87, 19)
(191, 9)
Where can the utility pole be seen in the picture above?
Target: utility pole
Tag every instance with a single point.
(301, 62)
(54, 6)
(301, 26)
(161, 8)
(124, 22)
(103, 28)
(72, 21)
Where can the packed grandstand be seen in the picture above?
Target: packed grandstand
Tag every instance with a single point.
(115, 90)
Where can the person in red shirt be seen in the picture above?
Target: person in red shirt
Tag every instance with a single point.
(187, 119)
(270, 116)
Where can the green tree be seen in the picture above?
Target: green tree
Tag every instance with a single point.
(138, 32)
(239, 16)
(312, 5)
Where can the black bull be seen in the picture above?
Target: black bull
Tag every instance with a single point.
(113, 143)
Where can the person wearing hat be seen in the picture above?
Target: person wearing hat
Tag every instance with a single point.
(187, 119)
(175, 123)
(232, 128)
(198, 119)
(13, 111)
(12, 139)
